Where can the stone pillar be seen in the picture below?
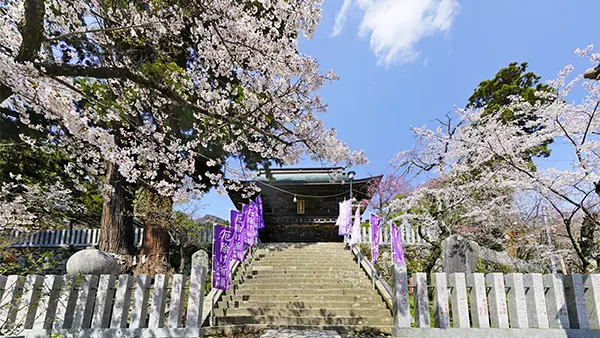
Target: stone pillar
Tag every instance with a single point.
(497, 299)
(478, 298)
(575, 296)
(459, 254)
(421, 298)
(401, 311)
(517, 306)
(592, 299)
(441, 313)
(556, 307)
(536, 304)
(196, 297)
(460, 307)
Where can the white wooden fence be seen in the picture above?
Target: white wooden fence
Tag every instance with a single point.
(78, 238)
(524, 302)
(102, 306)
(409, 234)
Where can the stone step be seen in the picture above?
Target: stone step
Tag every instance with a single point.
(276, 292)
(298, 275)
(303, 286)
(308, 263)
(304, 253)
(324, 312)
(313, 281)
(308, 268)
(301, 320)
(305, 304)
(307, 297)
(257, 329)
(301, 270)
(308, 251)
(300, 254)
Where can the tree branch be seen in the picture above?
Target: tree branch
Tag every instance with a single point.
(99, 30)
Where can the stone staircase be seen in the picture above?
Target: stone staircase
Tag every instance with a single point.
(309, 286)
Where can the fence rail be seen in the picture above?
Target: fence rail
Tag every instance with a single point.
(78, 238)
(409, 234)
(91, 237)
(86, 306)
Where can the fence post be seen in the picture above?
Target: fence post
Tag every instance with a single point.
(196, 297)
(575, 296)
(592, 299)
(536, 304)
(122, 302)
(517, 306)
(176, 302)
(104, 296)
(85, 301)
(159, 298)
(64, 313)
(478, 298)
(140, 302)
(555, 301)
(400, 303)
(497, 299)
(28, 302)
(47, 303)
(460, 307)
(441, 313)
(421, 298)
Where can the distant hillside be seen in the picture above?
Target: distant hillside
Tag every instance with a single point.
(210, 219)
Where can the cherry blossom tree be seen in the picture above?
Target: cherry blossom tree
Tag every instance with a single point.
(460, 150)
(384, 191)
(141, 92)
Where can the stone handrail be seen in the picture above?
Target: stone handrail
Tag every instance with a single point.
(409, 235)
(378, 284)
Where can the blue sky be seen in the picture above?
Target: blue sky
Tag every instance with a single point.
(403, 63)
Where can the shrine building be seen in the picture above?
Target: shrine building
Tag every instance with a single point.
(301, 205)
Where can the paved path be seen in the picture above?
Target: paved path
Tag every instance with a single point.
(300, 334)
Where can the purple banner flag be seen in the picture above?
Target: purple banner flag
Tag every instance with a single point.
(222, 244)
(235, 221)
(345, 218)
(375, 222)
(397, 245)
(247, 224)
(355, 235)
(261, 220)
(339, 218)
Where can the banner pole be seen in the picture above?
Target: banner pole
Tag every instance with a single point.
(212, 300)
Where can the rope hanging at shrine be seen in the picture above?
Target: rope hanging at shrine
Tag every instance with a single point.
(301, 195)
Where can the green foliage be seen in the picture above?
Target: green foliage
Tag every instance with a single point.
(44, 168)
(496, 93)
(32, 265)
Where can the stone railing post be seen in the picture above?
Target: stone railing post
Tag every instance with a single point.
(478, 299)
(401, 311)
(592, 299)
(421, 298)
(441, 313)
(556, 306)
(196, 297)
(575, 296)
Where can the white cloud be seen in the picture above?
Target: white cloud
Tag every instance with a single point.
(396, 26)
(340, 18)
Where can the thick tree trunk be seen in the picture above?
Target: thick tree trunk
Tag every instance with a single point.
(158, 212)
(117, 216)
